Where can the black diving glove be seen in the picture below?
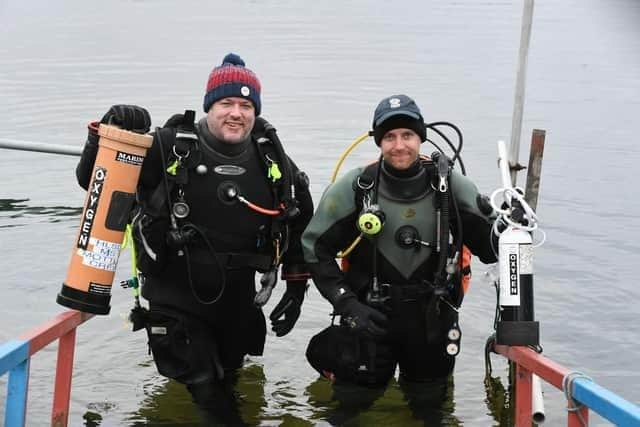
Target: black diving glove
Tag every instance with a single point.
(361, 318)
(285, 314)
(88, 156)
(129, 117)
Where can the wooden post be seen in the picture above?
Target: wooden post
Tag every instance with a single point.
(534, 169)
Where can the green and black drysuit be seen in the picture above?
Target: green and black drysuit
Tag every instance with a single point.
(418, 321)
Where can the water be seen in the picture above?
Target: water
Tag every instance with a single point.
(324, 66)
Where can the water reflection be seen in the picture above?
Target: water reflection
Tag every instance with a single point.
(167, 404)
(407, 404)
(498, 401)
(402, 403)
(170, 404)
(18, 208)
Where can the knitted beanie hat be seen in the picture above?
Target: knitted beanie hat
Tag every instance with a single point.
(231, 78)
(397, 111)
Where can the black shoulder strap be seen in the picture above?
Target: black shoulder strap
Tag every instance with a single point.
(268, 153)
(270, 149)
(185, 135)
(155, 202)
(180, 138)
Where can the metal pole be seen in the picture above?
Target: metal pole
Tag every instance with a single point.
(537, 404)
(64, 373)
(42, 147)
(518, 106)
(523, 413)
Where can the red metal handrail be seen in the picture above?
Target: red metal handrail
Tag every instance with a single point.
(529, 362)
(62, 328)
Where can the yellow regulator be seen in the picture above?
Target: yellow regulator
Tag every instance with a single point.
(370, 221)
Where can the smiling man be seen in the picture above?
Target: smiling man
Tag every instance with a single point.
(231, 119)
(399, 290)
(216, 205)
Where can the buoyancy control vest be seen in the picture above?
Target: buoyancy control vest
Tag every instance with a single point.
(205, 197)
(410, 238)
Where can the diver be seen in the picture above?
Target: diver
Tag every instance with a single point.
(218, 200)
(402, 226)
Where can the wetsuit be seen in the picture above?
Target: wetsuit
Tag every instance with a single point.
(418, 321)
(202, 342)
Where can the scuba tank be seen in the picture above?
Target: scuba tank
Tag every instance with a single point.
(109, 200)
(516, 324)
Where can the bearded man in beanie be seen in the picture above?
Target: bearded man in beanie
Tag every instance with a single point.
(218, 200)
(399, 290)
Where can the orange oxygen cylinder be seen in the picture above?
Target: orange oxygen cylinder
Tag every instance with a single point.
(110, 197)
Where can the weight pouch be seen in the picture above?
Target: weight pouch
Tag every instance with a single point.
(180, 347)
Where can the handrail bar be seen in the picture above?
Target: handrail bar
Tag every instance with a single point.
(15, 357)
(43, 335)
(603, 401)
(582, 390)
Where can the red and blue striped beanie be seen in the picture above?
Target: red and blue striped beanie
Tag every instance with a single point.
(232, 79)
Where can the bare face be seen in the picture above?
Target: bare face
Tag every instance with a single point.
(231, 119)
(400, 147)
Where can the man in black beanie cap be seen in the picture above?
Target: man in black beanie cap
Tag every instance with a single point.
(399, 294)
(398, 111)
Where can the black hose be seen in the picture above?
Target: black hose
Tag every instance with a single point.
(223, 274)
(459, 227)
(433, 126)
(456, 150)
(184, 229)
(488, 349)
(458, 242)
(164, 172)
(376, 181)
(435, 145)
